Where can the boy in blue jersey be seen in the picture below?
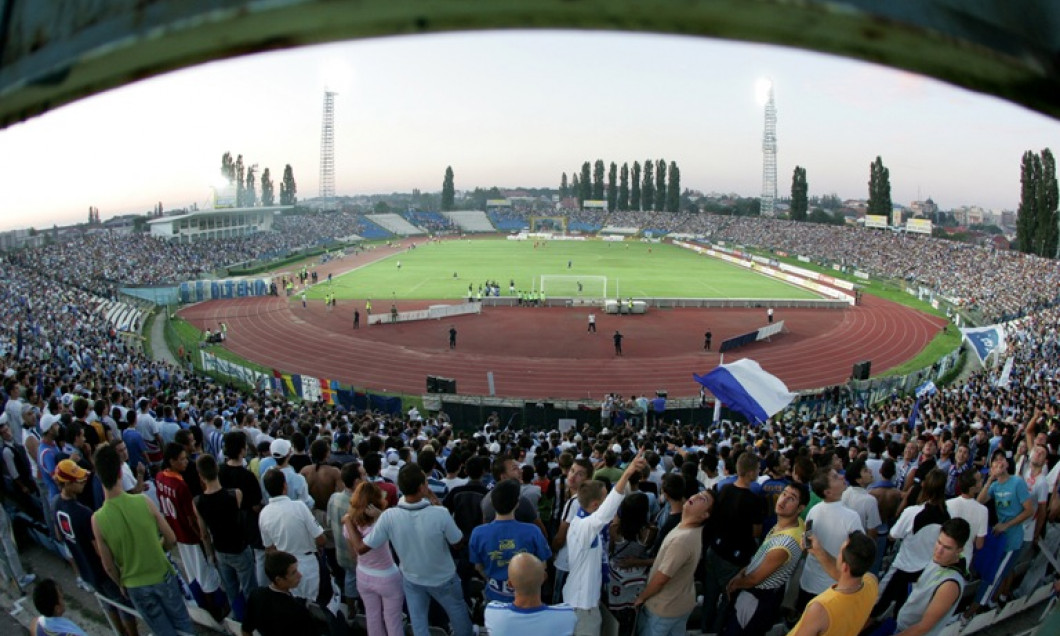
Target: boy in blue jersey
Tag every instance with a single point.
(1014, 505)
(493, 545)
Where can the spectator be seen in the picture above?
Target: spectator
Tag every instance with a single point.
(338, 506)
(843, 608)
(126, 530)
(420, 534)
(223, 537)
(756, 592)
(582, 589)
(274, 610)
(288, 526)
(379, 581)
(492, 545)
(669, 597)
(50, 603)
(832, 523)
(734, 540)
(527, 614)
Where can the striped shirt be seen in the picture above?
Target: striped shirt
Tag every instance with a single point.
(789, 540)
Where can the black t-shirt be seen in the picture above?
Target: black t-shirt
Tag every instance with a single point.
(274, 613)
(74, 520)
(672, 521)
(222, 516)
(241, 478)
(735, 512)
(298, 462)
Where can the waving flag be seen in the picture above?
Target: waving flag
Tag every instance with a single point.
(985, 340)
(747, 389)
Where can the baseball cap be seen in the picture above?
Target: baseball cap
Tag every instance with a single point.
(392, 457)
(67, 472)
(280, 448)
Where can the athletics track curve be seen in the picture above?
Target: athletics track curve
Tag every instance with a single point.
(541, 353)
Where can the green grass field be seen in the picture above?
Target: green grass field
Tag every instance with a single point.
(632, 269)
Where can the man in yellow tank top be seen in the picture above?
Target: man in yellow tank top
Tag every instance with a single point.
(842, 609)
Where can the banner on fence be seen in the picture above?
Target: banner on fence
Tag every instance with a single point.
(229, 369)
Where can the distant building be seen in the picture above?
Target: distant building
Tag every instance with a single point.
(214, 224)
(924, 209)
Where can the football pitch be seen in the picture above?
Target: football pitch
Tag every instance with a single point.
(642, 270)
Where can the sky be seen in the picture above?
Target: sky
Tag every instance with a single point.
(514, 109)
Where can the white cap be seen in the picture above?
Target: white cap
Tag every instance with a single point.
(280, 448)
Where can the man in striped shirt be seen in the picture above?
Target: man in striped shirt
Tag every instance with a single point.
(758, 589)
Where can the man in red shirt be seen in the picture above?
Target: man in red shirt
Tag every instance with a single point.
(175, 500)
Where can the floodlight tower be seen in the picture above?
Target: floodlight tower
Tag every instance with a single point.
(769, 158)
(327, 149)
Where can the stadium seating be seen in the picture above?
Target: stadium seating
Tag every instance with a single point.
(471, 221)
(395, 224)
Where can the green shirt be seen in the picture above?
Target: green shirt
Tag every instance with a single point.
(127, 526)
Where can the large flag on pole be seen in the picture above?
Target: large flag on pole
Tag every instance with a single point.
(985, 341)
(747, 389)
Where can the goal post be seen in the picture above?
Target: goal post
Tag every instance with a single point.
(573, 286)
(552, 224)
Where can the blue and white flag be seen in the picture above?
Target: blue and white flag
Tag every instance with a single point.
(985, 340)
(747, 389)
(927, 388)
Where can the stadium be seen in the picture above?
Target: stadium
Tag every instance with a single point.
(544, 352)
(164, 381)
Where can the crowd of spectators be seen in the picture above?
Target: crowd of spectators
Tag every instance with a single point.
(89, 419)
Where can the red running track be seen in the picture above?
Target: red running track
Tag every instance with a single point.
(542, 353)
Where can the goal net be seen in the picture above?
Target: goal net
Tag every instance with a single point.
(553, 224)
(572, 286)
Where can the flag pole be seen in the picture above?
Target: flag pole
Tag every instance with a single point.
(717, 401)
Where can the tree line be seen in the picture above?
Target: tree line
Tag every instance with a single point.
(245, 181)
(1036, 222)
(655, 185)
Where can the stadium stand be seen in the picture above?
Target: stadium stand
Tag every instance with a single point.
(373, 231)
(433, 222)
(471, 221)
(507, 221)
(395, 224)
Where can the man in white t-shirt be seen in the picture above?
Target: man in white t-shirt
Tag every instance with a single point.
(965, 506)
(855, 497)
(831, 523)
(582, 590)
(579, 472)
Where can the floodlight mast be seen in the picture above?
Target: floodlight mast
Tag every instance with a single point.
(769, 159)
(327, 149)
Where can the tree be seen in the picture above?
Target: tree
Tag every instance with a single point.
(647, 187)
(448, 190)
(250, 195)
(564, 189)
(799, 199)
(673, 189)
(623, 188)
(598, 180)
(612, 187)
(1046, 191)
(575, 186)
(288, 188)
(660, 185)
(266, 188)
(228, 168)
(634, 180)
(1027, 214)
(382, 208)
(240, 182)
(880, 190)
(585, 189)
